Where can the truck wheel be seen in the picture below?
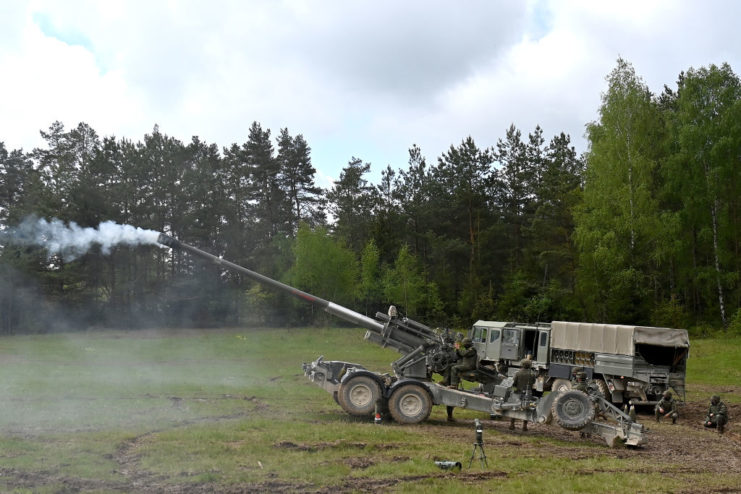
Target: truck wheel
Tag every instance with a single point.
(410, 404)
(603, 389)
(561, 385)
(358, 396)
(573, 410)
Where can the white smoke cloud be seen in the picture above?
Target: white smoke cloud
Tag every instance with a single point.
(71, 241)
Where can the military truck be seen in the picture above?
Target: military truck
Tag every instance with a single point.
(410, 392)
(633, 364)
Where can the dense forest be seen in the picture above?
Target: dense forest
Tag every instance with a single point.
(643, 228)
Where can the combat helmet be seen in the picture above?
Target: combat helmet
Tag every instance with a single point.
(715, 399)
(467, 342)
(526, 363)
(667, 394)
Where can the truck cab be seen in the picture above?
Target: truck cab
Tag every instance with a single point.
(508, 342)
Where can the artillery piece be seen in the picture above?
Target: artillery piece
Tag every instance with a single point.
(410, 393)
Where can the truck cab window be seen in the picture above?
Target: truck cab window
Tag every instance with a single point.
(494, 335)
(479, 334)
(510, 336)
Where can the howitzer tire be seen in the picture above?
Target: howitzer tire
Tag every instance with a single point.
(410, 404)
(573, 410)
(561, 385)
(358, 396)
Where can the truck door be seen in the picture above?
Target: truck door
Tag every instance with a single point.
(510, 344)
(478, 336)
(541, 355)
(494, 348)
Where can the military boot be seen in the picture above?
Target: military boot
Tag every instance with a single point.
(721, 428)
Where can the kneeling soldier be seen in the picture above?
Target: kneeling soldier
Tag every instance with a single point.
(717, 414)
(666, 407)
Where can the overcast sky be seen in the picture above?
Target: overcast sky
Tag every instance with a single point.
(357, 78)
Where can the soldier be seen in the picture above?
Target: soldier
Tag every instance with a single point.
(666, 407)
(523, 384)
(717, 414)
(467, 362)
(580, 381)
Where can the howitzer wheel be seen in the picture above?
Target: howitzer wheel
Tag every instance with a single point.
(410, 404)
(573, 410)
(358, 396)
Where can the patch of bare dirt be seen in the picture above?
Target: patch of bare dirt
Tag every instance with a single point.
(361, 462)
(340, 443)
(371, 485)
(18, 480)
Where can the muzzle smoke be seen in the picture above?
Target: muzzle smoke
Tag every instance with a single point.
(72, 241)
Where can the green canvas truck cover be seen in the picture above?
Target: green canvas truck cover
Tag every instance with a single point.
(613, 338)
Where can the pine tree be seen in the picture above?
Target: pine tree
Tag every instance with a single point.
(297, 181)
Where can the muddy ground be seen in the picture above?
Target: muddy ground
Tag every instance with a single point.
(698, 450)
(687, 443)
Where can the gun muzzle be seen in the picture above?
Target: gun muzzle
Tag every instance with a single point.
(168, 241)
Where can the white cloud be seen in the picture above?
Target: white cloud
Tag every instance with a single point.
(362, 78)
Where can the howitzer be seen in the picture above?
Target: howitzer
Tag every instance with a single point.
(410, 393)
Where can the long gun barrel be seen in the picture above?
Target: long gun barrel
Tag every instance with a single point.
(330, 307)
(424, 349)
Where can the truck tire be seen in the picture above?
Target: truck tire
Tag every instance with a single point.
(603, 389)
(561, 385)
(573, 410)
(410, 404)
(358, 396)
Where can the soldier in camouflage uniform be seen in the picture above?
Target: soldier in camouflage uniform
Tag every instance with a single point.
(580, 381)
(666, 407)
(523, 384)
(467, 362)
(717, 414)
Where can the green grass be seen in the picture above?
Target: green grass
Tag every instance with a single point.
(114, 411)
(713, 367)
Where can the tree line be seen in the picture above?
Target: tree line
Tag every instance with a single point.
(643, 228)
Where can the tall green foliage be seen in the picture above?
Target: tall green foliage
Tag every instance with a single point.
(370, 288)
(351, 201)
(414, 196)
(405, 285)
(460, 191)
(703, 176)
(617, 222)
(324, 266)
(296, 178)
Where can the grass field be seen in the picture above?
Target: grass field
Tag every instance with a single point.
(230, 411)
